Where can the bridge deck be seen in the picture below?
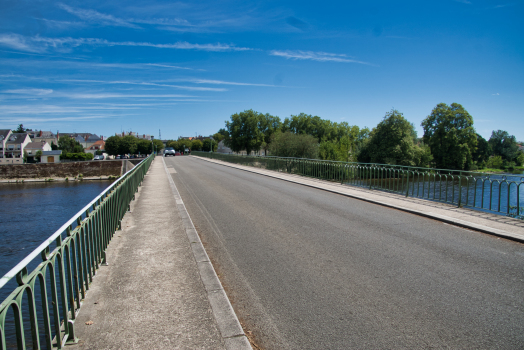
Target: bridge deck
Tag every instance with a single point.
(156, 293)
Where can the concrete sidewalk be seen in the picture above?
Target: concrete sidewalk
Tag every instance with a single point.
(159, 290)
(498, 225)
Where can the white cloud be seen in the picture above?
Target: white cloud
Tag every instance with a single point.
(497, 94)
(37, 92)
(18, 42)
(182, 87)
(220, 82)
(315, 56)
(97, 17)
(40, 44)
(464, 1)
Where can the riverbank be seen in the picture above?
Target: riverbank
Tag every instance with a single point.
(59, 179)
(70, 171)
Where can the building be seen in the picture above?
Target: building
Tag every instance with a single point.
(14, 148)
(4, 135)
(222, 148)
(50, 156)
(99, 145)
(32, 148)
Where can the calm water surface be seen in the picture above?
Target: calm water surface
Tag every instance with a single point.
(31, 212)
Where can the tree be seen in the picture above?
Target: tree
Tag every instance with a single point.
(392, 142)
(112, 145)
(209, 145)
(159, 145)
(196, 145)
(503, 144)
(69, 145)
(127, 145)
(268, 125)
(143, 146)
(20, 129)
(244, 133)
(218, 137)
(287, 144)
(323, 130)
(449, 133)
(482, 153)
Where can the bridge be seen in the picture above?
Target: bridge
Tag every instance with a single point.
(291, 261)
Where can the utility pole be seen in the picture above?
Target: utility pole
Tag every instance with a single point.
(159, 135)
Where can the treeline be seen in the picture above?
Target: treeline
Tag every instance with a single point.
(118, 145)
(207, 145)
(449, 141)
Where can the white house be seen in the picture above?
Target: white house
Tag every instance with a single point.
(33, 147)
(4, 135)
(50, 156)
(14, 148)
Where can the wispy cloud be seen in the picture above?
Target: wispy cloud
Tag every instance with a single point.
(464, 1)
(221, 82)
(316, 56)
(97, 17)
(28, 120)
(41, 44)
(93, 16)
(497, 94)
(182, 87)
(105, 95)
(18, 42)
(33, 92)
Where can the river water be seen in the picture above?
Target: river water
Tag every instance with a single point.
(31, 212)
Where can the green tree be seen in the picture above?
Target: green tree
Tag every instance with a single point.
(449, 133)
(196, 145)
(218, 137)
(392, 142)
(20, 129)
(323, 130)
(143, 146)
(209, 145)
(244, 132)
(69, 145)
(159, 145)
(183, 144)
(128, 145)
(268, 125)
(482, 152)
(503, 144)
(112, 145)
(287, 144)
(53, 146)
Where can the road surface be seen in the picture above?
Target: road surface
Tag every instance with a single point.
(309, 269)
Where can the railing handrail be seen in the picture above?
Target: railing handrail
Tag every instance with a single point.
(462, 172)
(504, 194)
(37, 251)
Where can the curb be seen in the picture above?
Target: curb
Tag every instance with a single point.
(443, 218)
(228, 324)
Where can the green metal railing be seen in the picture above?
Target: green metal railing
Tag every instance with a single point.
(44, 303)
(501, 194)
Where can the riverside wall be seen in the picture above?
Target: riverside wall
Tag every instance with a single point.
(104, 169)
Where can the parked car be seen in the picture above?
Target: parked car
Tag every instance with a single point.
(177, 153)
(169, 151)
(99, 157)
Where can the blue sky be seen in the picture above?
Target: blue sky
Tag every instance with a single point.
(185, 67)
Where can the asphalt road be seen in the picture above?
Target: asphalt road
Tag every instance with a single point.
(308, 269)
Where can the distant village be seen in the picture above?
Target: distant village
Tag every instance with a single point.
(42, 146)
